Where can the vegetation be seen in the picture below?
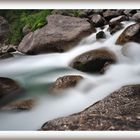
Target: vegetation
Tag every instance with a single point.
(33, 19)
(17, 19)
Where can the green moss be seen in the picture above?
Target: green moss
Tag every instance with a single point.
(17, 19)
(34, 19)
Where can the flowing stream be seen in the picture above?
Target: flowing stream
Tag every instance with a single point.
(36, 73)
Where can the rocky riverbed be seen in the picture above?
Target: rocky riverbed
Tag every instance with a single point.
(76, 72)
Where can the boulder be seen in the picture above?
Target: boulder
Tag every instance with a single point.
(86, 13)
(117, 20)
(130, 34)
(114, 28)
(136, 17)
(97, 20)
(65, 82)
(130, 12)
(99, 11)
(59, 35)
(109, 14)
(20, 105)
(118, 111)
(4, 29)
(94, 61)
(9, 89)
(115, 23)
(64, 12)
(100, 35)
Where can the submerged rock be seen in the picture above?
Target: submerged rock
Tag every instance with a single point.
(9, 89)
(118, 111)
(130, 34)
(65, 82)
(60, 34)
(20, 105)
(94, 61)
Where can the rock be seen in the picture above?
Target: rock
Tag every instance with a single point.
(130, 34)
(5, 56)
(97, 20)
(83, 13)
(100, 35)
(109, 14)
(59, 35)
(26, 30)
(118, 111)
(94, 61)
(9, 89)
(20, 105)
(11, 49)
(4, 29)
(117, 20)
(86, 13)
(7, 48)
(136, 17)
(99, 11)
(115, 23)
(129, 12)
(114, 28)
(65, 82)
(63, 12)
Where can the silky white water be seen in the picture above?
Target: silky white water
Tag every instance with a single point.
(36, 73)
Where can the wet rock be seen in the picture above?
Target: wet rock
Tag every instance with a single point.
(4, 29)
(109, 14)
(136, 17)
(65, 82)
(130, 34)
(9, 89)
(20, 105)
(7, 48)
(59, 35)
(118, 111)
(130, 12)
(97, 20)
(117, 20)
(115, 23)
(115, 28)
(5, 55)
(94, 61)
(26, 30)
(100, 35)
